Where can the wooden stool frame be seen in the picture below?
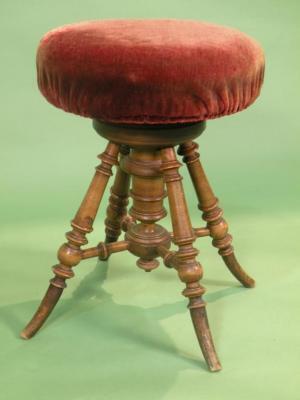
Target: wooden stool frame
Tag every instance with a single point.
(148, 171)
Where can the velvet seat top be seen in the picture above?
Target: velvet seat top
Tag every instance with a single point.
(149, 71)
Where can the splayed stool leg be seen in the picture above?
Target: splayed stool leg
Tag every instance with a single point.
(70, 253)
(212, 213)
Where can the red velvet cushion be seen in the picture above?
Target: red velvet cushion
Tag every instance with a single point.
(149, 71)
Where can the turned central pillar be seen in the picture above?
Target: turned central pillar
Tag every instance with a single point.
(147, 193)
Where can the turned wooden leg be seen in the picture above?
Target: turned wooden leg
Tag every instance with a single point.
(212, 213)
(118, 201)
(70, 253)
(189, 270)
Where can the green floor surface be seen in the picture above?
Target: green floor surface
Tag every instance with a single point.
(119, 333)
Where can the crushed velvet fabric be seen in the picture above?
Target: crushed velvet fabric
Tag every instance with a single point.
(149, 71)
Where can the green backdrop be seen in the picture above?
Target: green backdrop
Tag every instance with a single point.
(129, 336)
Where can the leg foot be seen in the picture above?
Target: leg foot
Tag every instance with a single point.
(48, 303)
(200, 322)
(222, 240)
(237, 271)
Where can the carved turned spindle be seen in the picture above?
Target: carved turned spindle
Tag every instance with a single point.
(70, 253)
(147, 195)
(189, 270)
(212, 213)
(118, 202)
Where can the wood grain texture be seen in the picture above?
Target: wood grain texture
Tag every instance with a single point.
(70, 254)
(188, 268)
(147, 193)
(149, 136)
(212, 213)
(118, 201)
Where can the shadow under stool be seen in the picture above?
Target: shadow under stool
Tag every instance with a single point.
(149, 86)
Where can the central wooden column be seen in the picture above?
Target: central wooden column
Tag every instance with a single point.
(147, 193)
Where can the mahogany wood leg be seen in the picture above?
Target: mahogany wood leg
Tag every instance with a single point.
(70, 253)
(118, 201)
(212, 214)
(189, 270)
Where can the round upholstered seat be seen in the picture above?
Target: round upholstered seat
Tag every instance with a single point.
(149, 71)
